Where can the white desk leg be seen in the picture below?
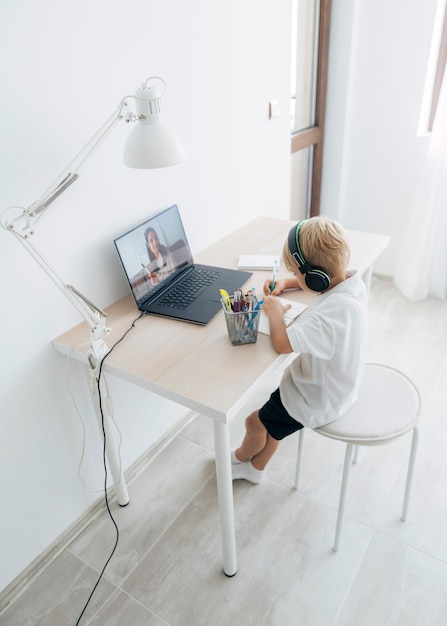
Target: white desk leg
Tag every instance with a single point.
(225, 495)
(112, 453)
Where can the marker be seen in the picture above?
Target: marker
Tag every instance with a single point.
(245, 310)
(255, 313)
(237, 302)
(226, 298)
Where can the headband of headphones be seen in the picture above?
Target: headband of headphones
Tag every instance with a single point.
(316, 278)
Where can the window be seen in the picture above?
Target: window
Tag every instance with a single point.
(440, 71)
(310, 51)
(435, 70)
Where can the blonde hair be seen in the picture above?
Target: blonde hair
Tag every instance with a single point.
(323, 243)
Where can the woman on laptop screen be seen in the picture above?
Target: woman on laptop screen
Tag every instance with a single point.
(160, 262)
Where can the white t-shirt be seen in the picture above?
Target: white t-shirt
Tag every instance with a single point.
(322, 382)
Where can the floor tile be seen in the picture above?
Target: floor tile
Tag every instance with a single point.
(396, 585)
(426, 523)
(285, 563)
(158, 496)
(123, 610)
(57, 597)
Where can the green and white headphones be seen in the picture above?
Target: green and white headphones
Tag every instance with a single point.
(316, 278)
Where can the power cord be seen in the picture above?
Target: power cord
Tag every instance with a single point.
(81, 421)
(106, 497)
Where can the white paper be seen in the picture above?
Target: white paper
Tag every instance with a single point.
(296, 309)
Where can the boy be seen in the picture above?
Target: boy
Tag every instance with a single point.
(323, 380)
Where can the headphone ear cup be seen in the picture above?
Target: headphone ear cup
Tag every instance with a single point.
(317, 279)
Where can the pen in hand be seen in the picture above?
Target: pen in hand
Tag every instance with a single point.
(272, 284)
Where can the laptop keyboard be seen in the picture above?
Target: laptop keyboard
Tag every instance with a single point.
(186, 291)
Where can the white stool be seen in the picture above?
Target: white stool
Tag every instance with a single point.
(388, 406)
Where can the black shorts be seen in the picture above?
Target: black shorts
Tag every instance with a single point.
(277, 421)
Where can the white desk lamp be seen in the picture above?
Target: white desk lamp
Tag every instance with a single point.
(151, 144)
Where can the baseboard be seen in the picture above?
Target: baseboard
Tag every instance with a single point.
(385, 277)
(10, 593)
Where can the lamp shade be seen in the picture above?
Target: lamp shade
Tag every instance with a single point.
(152, 143)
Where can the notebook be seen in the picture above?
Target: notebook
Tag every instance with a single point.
(162, 275)
(296, 309)
(258, 261)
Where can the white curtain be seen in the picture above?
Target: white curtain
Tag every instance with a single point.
(422, 266)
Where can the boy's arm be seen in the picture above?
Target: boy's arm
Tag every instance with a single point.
(281, 284)
(278, 333)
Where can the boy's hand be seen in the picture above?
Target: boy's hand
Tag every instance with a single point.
(275, 310)
(280, 286)
(274, 307)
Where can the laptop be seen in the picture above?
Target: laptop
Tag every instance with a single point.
(162, 275)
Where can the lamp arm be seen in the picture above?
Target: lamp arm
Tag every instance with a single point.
(92, 314)
(27, 219)
(25, 223)
(22, 222)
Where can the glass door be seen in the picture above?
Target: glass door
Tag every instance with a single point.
(310, 43)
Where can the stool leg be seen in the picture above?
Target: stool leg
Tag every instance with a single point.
(410, 472)
(356, 454)
(344, 486)
(299, 458)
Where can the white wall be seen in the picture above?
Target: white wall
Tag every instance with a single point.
(65, 68)
(378, 58)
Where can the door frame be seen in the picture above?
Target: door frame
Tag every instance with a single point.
(314, 135)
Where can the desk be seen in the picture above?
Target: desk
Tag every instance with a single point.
(195, 364)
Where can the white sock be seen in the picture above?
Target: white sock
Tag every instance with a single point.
(246, 471)
(234, 459)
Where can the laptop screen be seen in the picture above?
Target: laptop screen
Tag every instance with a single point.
(154, 253)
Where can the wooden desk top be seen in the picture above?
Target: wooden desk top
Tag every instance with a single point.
(197, 366)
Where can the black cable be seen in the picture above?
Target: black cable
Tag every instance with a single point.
(106, 495)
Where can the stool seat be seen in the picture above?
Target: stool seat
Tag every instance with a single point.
(388, 406)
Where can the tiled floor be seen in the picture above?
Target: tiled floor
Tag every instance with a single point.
(167, 567)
